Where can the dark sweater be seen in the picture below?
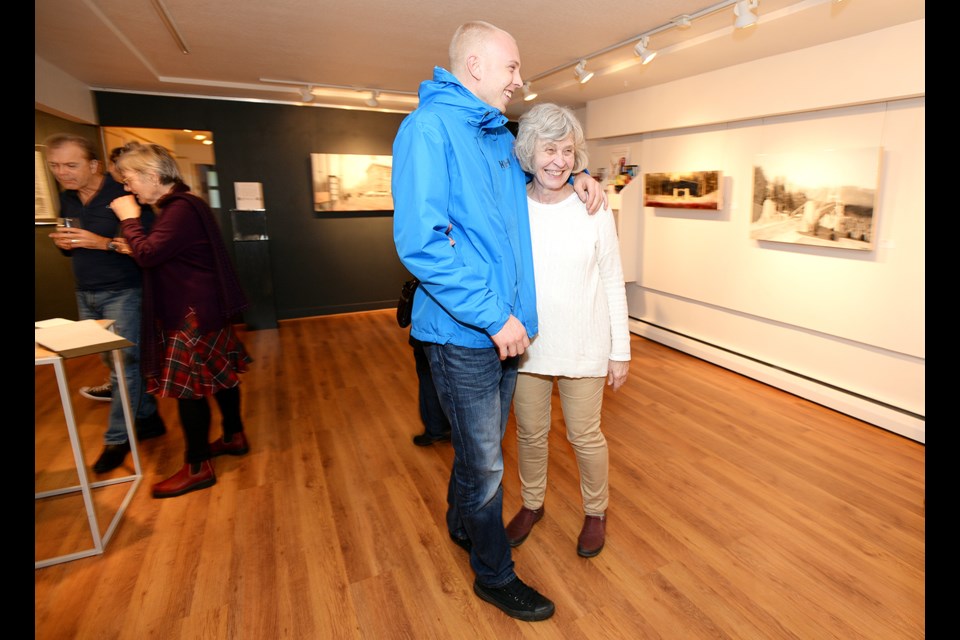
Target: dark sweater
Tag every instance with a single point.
(94, 269)
(185, 266)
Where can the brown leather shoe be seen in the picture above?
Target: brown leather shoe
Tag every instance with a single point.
(519, 528)
(592, 536)
(237, 445)
(186, 480)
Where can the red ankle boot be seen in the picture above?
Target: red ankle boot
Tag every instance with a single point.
(237, 445)
(186, 480)
(592, 536)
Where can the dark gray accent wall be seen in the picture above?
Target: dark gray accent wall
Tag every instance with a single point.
(321, 263)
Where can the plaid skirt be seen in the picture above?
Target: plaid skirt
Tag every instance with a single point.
(197, 365)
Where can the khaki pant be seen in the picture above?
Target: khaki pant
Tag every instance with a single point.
(581, 400)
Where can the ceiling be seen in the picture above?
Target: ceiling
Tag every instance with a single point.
(237, 47)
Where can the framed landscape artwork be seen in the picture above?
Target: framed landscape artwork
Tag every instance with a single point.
(824, 198)
(43, 201)
(691, 190)
(351, 182)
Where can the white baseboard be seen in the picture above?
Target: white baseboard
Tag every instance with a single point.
(899, 422)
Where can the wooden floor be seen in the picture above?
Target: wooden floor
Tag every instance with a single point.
(736, 511)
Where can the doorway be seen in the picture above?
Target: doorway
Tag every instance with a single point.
(193, 151)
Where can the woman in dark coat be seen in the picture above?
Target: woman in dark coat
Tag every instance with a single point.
(191, 292)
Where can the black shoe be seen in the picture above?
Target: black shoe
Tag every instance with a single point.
(517, 600)
(424, 440)
(149, 427)
(112, 457)
(463, 543)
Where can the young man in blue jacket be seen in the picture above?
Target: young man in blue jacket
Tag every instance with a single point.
(461, 227)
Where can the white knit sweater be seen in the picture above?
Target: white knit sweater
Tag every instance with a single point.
(581, 299)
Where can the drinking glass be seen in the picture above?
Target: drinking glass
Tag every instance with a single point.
(73, 223)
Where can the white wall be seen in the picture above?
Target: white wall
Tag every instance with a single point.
(62, 95)
(841, 327)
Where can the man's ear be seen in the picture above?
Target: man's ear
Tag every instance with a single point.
(473, 66)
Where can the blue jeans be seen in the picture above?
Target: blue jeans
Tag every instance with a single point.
(122, 306)
(475, 389)
(435, 423)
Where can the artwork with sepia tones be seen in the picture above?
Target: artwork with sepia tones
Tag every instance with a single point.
(690, 190)
(351, 182)
(43, 209)
(823, 198)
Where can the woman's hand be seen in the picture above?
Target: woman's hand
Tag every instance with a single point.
(126, 207)
(617, 373)
(121, 245)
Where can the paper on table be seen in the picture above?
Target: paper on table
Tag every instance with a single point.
(52, 322)
(72, 339)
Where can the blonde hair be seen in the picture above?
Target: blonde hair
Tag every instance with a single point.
(149, 158)
(548, 121)
(469, 38)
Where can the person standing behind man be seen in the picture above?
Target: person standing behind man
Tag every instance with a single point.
(108, 283)
(584, 337)
(436, 427)
(112, 164)
(104, 392)
(475, 309)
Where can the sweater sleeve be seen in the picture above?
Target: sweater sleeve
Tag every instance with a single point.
(611, 275)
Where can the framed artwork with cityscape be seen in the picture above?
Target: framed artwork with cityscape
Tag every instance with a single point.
(351, 182)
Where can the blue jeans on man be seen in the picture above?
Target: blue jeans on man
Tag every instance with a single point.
(475, 389)
(123, 307)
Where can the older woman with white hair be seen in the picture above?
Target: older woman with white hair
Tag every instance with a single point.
(584, 339)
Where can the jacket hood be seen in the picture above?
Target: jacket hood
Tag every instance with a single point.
(446, 90)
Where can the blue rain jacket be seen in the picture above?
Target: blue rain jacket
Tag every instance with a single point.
(453, 163)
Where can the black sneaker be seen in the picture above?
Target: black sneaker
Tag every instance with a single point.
(424, 440)
(104, 392)
(111, 457)
(150, 427)
(464, 543)
(517, 600)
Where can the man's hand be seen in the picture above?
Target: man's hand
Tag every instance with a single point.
(512, 339)
(68, 238)
(617, 373)
(590, 192)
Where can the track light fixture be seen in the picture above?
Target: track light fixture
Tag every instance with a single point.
(582, 74)
(745, 15)
(745, 11)
(342, 94)
(528, 93)
(646, 55)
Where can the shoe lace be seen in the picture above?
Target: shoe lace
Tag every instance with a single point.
(521, 593)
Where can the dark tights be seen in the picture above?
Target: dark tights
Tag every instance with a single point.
(195, 420)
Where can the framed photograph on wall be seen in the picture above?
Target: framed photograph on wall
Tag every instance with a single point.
(351, 182)
(43, 210)
(690, 190)
(824, 198)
